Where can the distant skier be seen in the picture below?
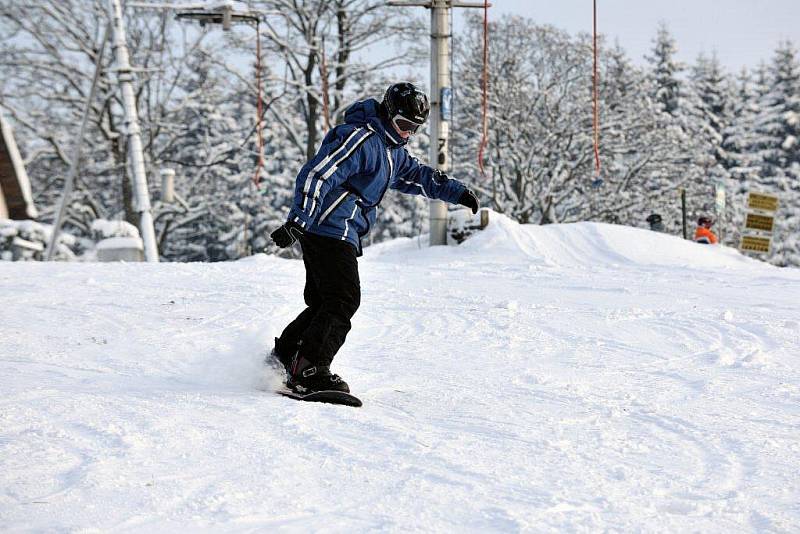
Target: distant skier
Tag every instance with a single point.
(336, 195)
(703, 234)
(656, 223)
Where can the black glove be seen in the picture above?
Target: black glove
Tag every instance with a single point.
(469, 200)
(286, 235)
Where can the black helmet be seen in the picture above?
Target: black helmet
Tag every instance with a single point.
(705, 221)
(405, 106)
(654, 218)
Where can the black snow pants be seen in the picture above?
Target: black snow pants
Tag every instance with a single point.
(332, 295)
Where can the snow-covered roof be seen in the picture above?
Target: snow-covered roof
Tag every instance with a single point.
(15, 188)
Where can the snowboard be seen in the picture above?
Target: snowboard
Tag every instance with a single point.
(330, 397)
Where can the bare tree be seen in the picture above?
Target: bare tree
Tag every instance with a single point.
(346, 29)
(540, 157)
(49, 47)
(196, 96)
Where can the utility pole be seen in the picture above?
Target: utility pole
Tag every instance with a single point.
(140, 191)
(441, 98)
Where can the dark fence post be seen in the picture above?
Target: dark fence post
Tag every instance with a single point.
(683, 211)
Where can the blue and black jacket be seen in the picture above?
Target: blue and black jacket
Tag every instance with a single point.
(338, 191)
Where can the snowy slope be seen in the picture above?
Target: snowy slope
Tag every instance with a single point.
(565, 378)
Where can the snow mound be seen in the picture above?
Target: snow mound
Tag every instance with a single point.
(583, 245)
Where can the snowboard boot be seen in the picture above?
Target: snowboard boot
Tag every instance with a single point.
(279, 361)
(304, 377)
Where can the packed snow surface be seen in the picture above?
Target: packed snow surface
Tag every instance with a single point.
(579, 377)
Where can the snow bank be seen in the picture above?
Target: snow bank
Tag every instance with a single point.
(579, 245)
(27, 240)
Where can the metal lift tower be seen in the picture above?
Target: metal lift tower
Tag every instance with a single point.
(441, 96)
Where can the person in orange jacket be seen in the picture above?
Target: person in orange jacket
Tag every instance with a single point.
(703, 234)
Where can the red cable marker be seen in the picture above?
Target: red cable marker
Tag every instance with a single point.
(596, 108)
(259, 106)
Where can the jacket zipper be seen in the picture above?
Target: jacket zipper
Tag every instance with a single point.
(385, 188)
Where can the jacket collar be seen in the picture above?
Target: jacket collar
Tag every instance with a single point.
(365, 113)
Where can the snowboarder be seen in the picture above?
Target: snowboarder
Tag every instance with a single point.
(334, 207)
(703, 234)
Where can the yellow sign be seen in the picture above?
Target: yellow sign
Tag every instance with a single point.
(751, 243)
(763, 223)
(761, 201)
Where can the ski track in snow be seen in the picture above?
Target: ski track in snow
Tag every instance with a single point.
(566, 378)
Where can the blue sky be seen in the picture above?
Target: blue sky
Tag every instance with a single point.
(742, 32)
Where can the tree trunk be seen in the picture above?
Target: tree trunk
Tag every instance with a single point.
(342, 57)
(312, 115)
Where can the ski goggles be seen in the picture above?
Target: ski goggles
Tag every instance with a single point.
(405, 124)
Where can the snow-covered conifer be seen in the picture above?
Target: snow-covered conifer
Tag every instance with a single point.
(665, 71)
(778, 126)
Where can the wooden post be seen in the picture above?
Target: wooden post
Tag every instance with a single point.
(683, 211)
